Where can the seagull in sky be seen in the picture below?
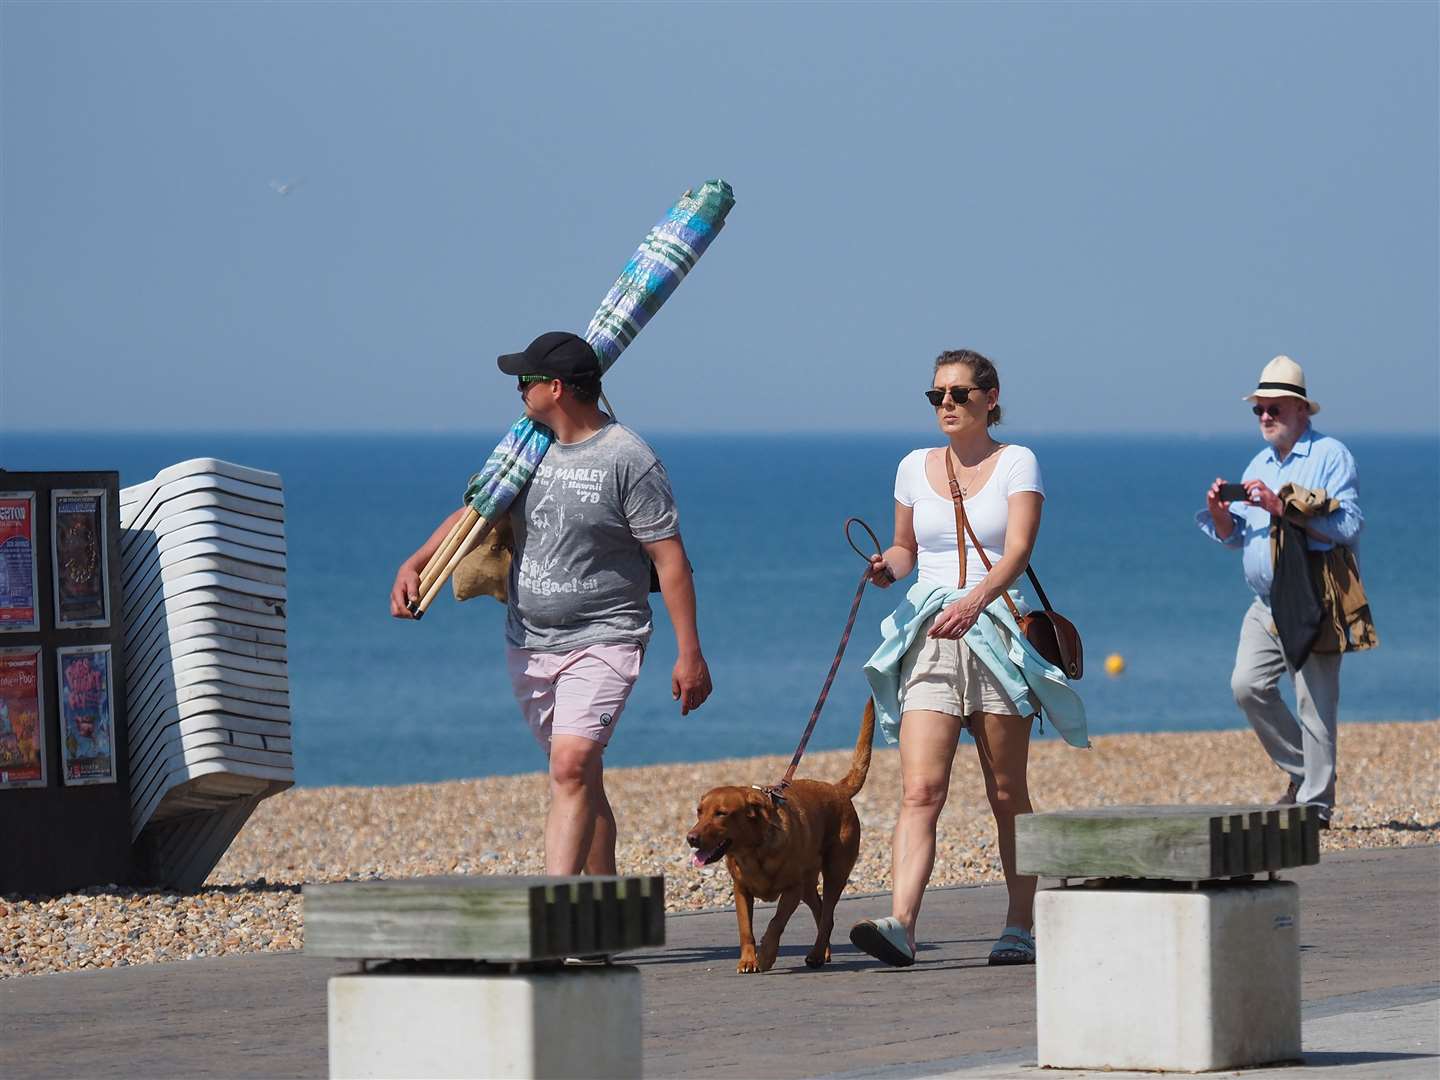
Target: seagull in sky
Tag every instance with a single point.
(285, 187)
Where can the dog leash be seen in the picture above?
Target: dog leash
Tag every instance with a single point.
(776, 791)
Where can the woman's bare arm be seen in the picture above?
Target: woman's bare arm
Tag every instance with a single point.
(899, 558)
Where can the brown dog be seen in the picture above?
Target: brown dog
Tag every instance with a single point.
(780, 848)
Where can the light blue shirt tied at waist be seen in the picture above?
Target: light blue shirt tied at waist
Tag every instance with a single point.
(1031, 681)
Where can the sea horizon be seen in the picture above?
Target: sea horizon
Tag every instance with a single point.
(1240, 431)
(378, 701)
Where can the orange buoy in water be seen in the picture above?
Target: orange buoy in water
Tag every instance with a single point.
(1114, 664)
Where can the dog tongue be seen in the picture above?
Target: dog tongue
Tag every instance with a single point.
(698, 859)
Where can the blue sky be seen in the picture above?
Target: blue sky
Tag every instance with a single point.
(1130, 208)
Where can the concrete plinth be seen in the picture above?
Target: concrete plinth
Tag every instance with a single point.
(574, 1022)
(1168, 977)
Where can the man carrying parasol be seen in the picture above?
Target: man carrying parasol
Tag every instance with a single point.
(587, 527)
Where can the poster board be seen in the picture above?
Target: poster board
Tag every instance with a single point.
(64, 805)
(22, 717)
(19, 570)
(77, 558)
(87, 714)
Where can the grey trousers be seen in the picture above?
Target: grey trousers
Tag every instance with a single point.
(1303, 747)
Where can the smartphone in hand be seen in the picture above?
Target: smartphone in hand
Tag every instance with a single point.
(1233, 493)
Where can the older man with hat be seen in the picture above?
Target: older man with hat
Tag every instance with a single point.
(595, 517)
(1300, 514)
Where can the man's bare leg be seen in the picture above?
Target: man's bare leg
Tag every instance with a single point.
(577, 804)
(601, 858)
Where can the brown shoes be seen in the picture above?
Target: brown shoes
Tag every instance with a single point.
(1288, 799)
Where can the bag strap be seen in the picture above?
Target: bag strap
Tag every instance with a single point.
(963, 529)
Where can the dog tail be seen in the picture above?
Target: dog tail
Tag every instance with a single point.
(860, 764)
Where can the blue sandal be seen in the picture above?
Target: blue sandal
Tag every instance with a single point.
(1014, 947)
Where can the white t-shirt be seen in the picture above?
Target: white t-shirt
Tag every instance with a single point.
(988, 510)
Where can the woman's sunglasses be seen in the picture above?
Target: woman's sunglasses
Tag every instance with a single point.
(958, 394)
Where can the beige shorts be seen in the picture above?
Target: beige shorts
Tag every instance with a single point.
(944, 676)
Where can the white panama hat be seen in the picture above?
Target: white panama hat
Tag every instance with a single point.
(1282, 377)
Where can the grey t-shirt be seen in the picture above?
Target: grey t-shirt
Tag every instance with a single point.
(579, 575)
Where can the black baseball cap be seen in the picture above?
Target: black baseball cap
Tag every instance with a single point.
(557, 353)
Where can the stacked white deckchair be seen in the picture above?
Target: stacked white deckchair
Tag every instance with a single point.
(207, 683)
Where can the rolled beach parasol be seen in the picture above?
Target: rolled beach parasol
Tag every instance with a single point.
(668, 252)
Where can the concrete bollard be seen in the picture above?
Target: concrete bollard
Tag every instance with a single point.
(1167, 976)
(473, 983)
(570, 1022)
(1172, 957)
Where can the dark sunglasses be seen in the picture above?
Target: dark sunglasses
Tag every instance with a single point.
(1266, 410)
(523, 381)
(958, 394)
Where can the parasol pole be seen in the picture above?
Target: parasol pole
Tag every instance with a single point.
(477, 532)
(458, 532)
(664, 258)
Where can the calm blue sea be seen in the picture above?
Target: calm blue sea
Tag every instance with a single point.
(378, 701)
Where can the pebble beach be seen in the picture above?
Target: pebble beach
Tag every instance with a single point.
(1389, 796)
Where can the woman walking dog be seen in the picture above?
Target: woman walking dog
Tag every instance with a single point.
(951, 654)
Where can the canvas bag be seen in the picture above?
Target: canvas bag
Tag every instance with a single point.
(486, 570)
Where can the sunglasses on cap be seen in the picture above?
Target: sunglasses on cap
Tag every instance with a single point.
(958, 394)
(1266, 410)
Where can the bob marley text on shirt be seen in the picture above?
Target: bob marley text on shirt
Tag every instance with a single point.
(565, 493)
(580, 572)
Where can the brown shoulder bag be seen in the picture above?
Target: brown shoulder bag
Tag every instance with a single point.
(1049, 633)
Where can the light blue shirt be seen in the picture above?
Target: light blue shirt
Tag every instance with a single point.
(1030, 681)
(1315, 461)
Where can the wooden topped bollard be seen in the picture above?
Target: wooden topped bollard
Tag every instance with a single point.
(1167, 843)
(1167, 953)
(485, 976)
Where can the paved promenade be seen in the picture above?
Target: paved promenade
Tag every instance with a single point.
(1370, 931)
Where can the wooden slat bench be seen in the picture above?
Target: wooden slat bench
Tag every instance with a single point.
(1170, 843)
(495, 919)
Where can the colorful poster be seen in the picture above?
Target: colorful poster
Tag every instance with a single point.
(19, 608)
(77, 525)
(87, 722)
(22, 712)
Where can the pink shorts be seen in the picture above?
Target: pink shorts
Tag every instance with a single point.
(573, 693)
